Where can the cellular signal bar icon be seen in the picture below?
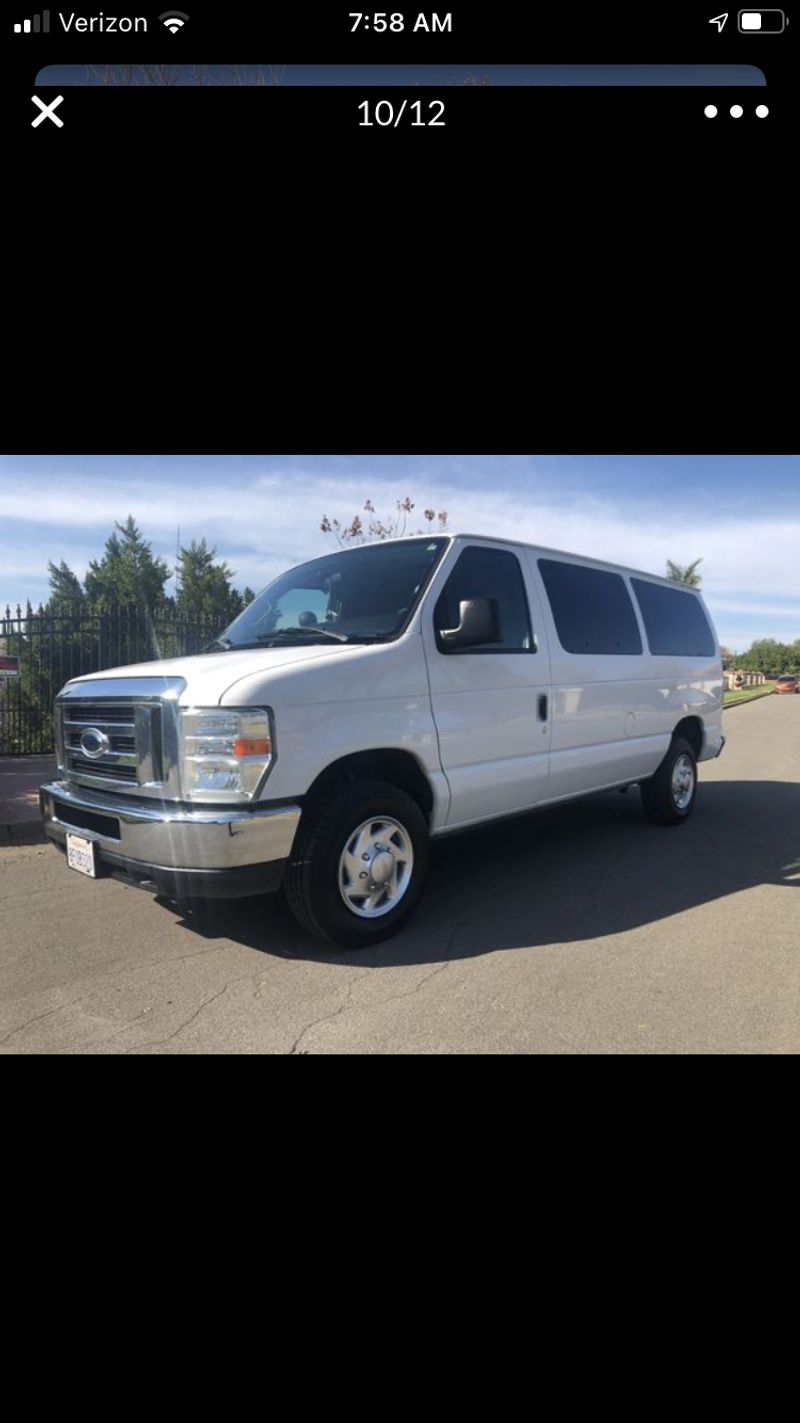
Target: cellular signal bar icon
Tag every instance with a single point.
(39, 22)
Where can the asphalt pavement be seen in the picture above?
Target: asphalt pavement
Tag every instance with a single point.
(581, 929)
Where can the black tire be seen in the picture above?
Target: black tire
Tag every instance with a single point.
(311, 881)
(658, 794)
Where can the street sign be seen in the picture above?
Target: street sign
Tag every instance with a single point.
(9, 666)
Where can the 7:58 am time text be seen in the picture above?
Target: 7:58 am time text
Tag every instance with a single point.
(395, 22)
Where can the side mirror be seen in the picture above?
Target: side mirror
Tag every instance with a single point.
(479, 624)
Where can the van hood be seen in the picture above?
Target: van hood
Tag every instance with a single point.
(208, 676)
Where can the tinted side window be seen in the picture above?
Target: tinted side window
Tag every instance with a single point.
(674, 621)
(488, 573)
(592, 609)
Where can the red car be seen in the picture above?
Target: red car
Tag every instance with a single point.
(788, 684)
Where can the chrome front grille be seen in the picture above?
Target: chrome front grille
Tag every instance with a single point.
(118, 724)
(112, 713)
(121, 733)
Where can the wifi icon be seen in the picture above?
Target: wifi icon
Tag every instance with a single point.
(174, 20)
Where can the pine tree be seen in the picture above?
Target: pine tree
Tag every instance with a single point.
(65, 587)
(127, 574)
(205, 586)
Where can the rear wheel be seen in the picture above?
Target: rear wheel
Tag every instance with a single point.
(358, 865)
(668, 797)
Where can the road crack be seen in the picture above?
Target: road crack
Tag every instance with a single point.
(445, 964)
(328, 1017)
(39, 1016)
(160, 1042)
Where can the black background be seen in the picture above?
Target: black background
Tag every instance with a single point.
(247, 269)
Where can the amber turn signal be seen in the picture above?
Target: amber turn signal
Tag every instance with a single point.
(254, 747)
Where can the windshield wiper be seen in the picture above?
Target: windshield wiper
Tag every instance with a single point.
(266, 639)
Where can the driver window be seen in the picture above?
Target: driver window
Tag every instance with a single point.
(487, 573)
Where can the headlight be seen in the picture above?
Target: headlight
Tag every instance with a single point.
(225, 753)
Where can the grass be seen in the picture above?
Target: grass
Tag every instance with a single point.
(748, 694)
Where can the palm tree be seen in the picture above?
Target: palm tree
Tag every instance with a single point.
(687, 575)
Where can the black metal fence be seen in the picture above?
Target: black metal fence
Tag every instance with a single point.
(54, 646)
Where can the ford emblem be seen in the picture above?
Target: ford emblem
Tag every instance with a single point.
(94, 743)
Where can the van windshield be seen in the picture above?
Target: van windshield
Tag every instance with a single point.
(365, 594)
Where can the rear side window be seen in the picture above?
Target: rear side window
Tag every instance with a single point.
(487, 573)
(592, 609)
(674, 621)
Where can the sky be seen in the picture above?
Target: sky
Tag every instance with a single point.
(394, 74)
(739, 513)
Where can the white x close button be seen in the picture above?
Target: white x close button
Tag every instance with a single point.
(47, 111)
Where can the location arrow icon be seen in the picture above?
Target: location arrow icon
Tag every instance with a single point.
(719, 21)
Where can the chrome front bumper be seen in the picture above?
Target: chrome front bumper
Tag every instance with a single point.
(149, 837)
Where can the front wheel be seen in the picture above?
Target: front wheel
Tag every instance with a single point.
(668, 797)
(358, 865)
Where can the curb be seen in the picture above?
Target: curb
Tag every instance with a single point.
(759, 697)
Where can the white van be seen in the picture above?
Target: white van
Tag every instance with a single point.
(370, 700)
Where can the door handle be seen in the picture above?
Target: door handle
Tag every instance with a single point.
(543, 708)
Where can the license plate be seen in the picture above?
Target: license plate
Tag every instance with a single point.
(80, 855)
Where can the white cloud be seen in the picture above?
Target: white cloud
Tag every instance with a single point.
(263, 521)
(737, 605)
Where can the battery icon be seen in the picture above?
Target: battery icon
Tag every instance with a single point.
(762, 22)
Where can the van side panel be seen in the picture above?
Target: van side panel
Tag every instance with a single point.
(604, 730)
(688, 682)
(684, 686)
(712, 737)
(614, 715)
